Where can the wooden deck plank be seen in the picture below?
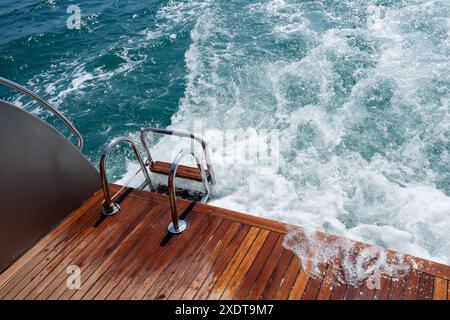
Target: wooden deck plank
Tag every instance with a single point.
(299, 286)
(194, 286)
(95, 272)
(93, 275)
(221, 264)
(425, 289)
(247, 219)
(327, 284)
(139, 283)
(241, 272)
(256, 267)
(182, 171)
(178, 244)
(54, 260)
(366, 293)
(353, 291)
(168, 279)
(265, 274)
(382, 293)
(123, 285)
(288, 280)
(277, 276)
(312, 289)
(223, 254)
(397, 288)
(93, 252)
(433, 268)
(411, 286)
(126, 255)
(440, 289)
(223, 280)
(339, 291)
(196, 267)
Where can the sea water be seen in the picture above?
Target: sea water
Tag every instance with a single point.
(358, 92)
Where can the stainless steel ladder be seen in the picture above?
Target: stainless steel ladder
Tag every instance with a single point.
(207, 176)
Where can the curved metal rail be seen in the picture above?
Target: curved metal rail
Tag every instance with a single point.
(34, 96)
(178, 226)
(109, 207)
(145, 132)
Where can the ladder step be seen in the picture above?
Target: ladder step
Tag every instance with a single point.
(185, 172)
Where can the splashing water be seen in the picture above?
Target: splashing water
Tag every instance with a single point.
(352, 263)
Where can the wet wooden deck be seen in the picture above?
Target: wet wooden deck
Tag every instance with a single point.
(222, 255)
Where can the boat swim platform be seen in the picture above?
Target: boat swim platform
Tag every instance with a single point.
(221, 255)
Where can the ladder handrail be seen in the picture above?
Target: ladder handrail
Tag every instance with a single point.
(37, 98)
(178, 226)
(146, 131)
(109, 207)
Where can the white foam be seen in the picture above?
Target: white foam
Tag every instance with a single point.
(352, 263)
(173, 16)
(75, 78)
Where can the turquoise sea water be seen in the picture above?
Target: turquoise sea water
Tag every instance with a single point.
(358, 90)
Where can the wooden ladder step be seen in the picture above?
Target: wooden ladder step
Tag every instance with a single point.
(185, 172)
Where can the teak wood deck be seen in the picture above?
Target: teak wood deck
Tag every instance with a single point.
(222, 255)
(185, 172)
